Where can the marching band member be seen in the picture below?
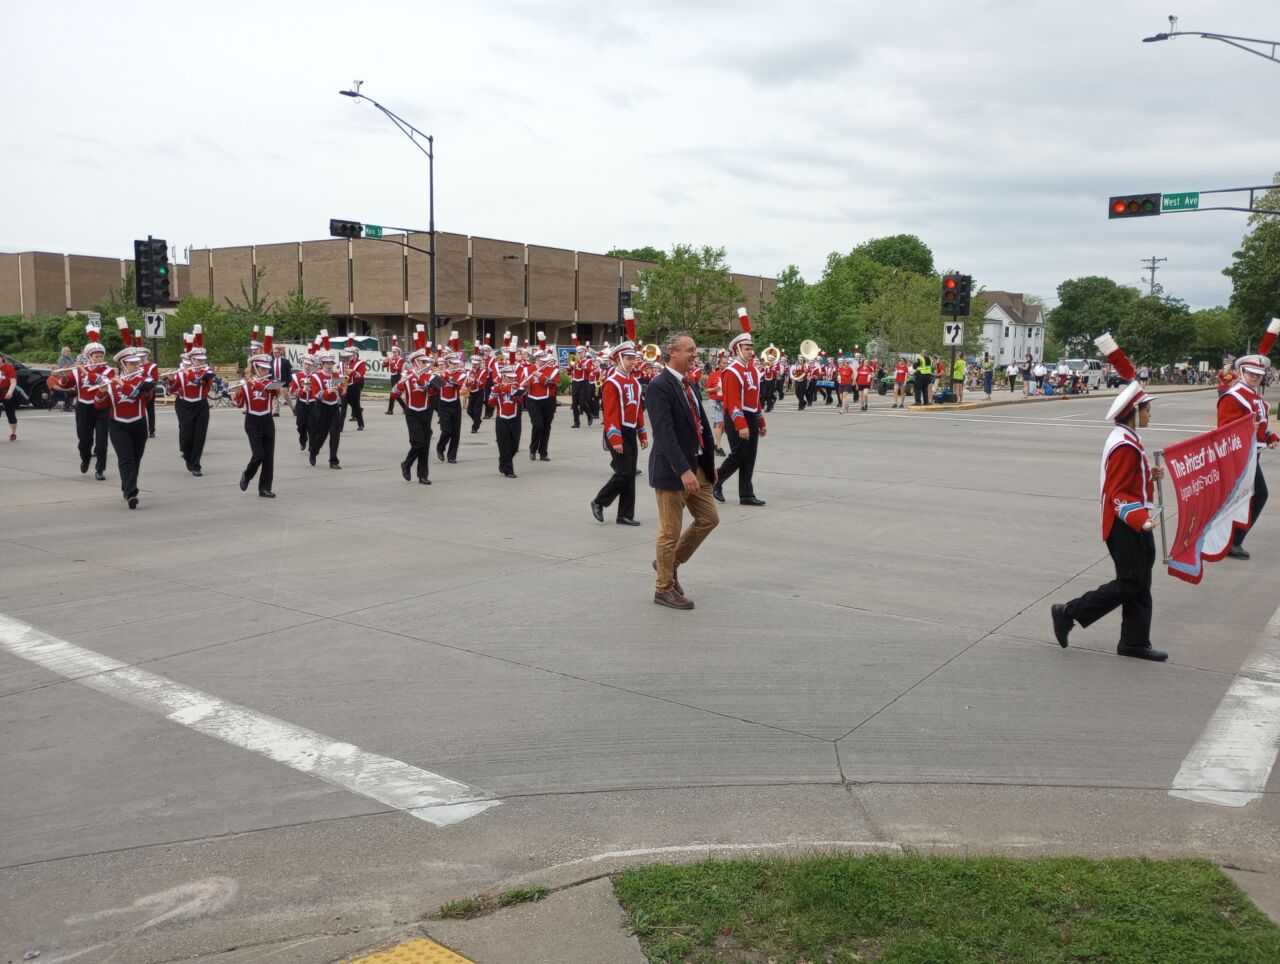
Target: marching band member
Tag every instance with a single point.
(864, 375)
(768, 385)
(256, 395)
(1241, 397)
(542, 379)
(395, 368)
(328, 388)
(149, 368)
(800, 382)
(623, 425)
(580, 384)
(354, 369)
(741, 387)
(414, 394)
(300, 386)
(190, 386)
(451, 384)
(504, 397)
(1128, 516)
(476, 385)
(784, 372)
(125, 397)
(900, 372)
(91, 421)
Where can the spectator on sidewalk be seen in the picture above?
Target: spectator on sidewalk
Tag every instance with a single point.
(988, 373)
(1024, 372)
(1011, 373)
(1039, 371)
(957, 378)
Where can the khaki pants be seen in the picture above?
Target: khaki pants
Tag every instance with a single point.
(675, 548)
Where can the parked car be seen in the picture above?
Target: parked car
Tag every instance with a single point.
(1089, 370)
(32, 381)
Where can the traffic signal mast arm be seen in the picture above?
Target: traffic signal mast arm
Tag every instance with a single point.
(339, 228)
(1149, 205)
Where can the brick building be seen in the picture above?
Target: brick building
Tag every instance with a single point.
(376, 287)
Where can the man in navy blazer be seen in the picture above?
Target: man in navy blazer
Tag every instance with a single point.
(682, 467)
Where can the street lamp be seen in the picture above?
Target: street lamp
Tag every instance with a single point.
(410, 131)
(1238, 42)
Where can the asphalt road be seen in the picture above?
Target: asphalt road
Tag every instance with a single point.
(280, 726)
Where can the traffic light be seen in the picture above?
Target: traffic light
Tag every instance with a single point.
(345, 229)
(965, 288)
(950, 294)
(151, 272)
(1134, 206)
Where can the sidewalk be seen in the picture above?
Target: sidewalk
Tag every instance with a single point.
(974, 399)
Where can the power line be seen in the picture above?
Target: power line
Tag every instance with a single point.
(1151, 266)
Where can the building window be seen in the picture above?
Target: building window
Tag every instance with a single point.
(1006, 331)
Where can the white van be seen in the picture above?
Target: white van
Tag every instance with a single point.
(1089, 370)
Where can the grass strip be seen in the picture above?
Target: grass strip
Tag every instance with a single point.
(937, 910)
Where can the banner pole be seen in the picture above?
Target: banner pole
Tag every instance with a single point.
(1164, 545)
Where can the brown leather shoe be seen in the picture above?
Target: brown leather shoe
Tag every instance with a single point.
(675, 579)
(672, 600)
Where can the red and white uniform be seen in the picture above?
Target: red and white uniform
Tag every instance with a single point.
(1128, 489)
(799, 372)
(324, 388)
(1239, 399)
(622, 407)
(451, 385)
(741, 387)
(414, 389)
(475, 378)
(506, 399)
(395, 365)
(126, 398)
(254, 396)
(695, 374)
(543, 383)
(299, 387)
(355, 370)
(87, 381)
(192, 384)
(866, 371)
(580, 371)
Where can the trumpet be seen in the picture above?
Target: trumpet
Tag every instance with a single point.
(651, 352)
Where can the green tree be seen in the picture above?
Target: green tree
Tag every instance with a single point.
(839, 299)
(785, 320)
(689, 289)
(1087, 307)
(298, 318)
(253, 309)
(646, 253)
(1255, 271)
(1157, 331)
(225, 338)
(905, 251)
(1217, 332)
(905, 317)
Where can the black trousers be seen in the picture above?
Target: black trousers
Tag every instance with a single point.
(475, 408)
(921, 388)
(193, 428)
(1255, 504)
(742, 454)
(129, 439)
(450, 428)
(767, 393)
(593, 400)
(11, 409)
(802, 394)
(353, 403)
(812, 395)
(488, 412)
(541, 413)
(419, 426)
(507, 433)
(261, 430)
(328, 425)
(622, 484)
(302, 420)
(1134, 556)
(391, 399)
(580, 393)
(151, 413)
(91, 431)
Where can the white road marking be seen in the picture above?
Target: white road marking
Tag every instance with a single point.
(420, 793)
(1058, 418)
(1231, 762)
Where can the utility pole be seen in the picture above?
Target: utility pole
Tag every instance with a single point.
(1151, 266)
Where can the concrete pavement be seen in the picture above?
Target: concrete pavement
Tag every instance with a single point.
(870, 664)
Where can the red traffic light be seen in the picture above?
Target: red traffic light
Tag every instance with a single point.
(949, 283)
(1134, 206)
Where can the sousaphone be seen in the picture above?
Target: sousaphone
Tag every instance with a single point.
(809, 350)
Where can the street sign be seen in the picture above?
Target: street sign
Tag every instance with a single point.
(153, 324)
(953, 332)
(373, 230)
(95, 319)
(1187, 201)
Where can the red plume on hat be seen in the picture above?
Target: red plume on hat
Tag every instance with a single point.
(419, 337)
(395, 342)
(255, 334)
(188, 342)
(455, 343)
(744, 321)
(137, 337)
(125, 334)
(269, 341)
(542, 341)
(197, 336)
(324, 338)
(575, 341)
(629, 319)
(1116, 356)
(92, 331)
(1269, 339)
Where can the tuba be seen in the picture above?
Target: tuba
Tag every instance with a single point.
(651, 353)
(771, 355)
(809, 350)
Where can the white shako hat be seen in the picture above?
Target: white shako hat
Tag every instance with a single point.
(1133, 394)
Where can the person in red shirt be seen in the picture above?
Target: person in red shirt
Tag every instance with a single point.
(9, 393)
(190, 387)
(541, 380)
(864, 373)
(395, 368)
(257, 395)
(303, 403)
(504, 398)
(741, 387)
(900, 373)
(125, 397)
(474, 385)
(1128, 497)
(354, 369)
(452, 382)
(844, 385)
(328, 389)
(91, 421)
(623, 427)
(413, 391)
(715, 399)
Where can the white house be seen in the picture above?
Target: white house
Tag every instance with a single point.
(1011, 327)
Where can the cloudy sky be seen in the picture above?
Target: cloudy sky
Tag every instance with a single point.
(993, 130)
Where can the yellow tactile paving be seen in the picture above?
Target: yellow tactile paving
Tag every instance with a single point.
(417, 951)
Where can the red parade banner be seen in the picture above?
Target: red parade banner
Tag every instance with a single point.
(1212, 476)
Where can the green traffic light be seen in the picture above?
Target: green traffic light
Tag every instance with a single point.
(162, 271)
